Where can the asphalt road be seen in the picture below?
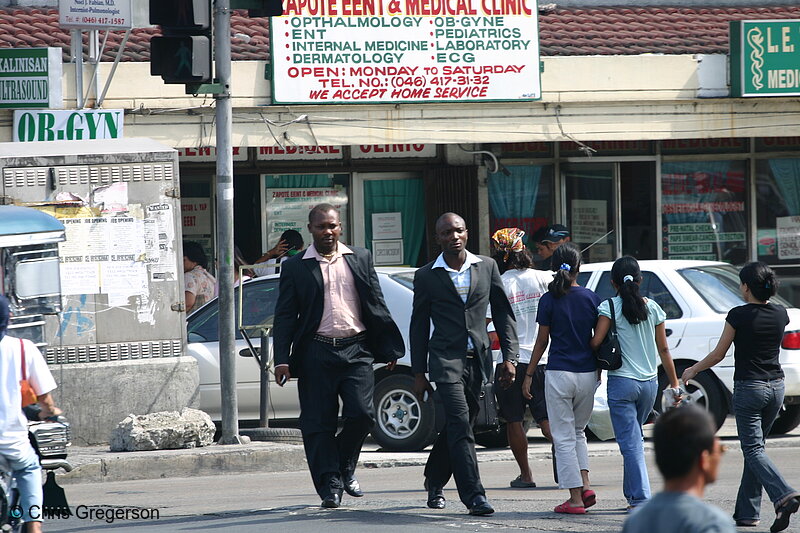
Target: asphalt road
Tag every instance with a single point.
(285, 502)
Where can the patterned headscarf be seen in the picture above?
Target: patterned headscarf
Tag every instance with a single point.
(508, 240)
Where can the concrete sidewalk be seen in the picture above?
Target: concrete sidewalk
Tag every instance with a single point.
(96, 464)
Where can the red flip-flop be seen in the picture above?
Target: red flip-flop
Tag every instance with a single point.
(566, 508)
(589, 498)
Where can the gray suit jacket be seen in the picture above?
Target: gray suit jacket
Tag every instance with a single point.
(443, 354)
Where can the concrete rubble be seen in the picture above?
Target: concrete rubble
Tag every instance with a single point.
(166, 430)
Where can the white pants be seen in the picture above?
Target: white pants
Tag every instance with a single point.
(570, 398)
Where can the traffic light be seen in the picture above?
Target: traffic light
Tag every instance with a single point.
(263, 8)
(183, 54)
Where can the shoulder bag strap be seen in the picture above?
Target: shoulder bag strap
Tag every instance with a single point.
(24, 366)
(613, 315)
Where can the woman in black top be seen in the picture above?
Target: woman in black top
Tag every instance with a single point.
(756, 330)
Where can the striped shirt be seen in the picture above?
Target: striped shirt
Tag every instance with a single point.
(461, 278)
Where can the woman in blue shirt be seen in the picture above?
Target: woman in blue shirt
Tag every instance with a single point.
(566, 316)
(633, 387)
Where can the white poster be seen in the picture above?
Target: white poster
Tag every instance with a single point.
(161, 237)
(389, 252)
(387, 226)
(196, 216)
(80, 278)
(788, 237)
(288, 209)
(589, 220)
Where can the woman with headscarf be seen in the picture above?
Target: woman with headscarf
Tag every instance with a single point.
(524, 287)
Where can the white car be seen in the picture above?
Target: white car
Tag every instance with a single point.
(696, 296)
(403, 423)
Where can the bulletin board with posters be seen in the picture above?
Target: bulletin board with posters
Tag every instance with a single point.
(288, 209)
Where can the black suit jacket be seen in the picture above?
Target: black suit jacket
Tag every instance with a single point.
(298, 312)
(443, 354)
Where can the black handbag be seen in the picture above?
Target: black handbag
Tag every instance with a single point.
(487, 403)
(609, 354)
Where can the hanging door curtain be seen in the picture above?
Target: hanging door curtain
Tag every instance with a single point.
(512, 198)
(404, 196)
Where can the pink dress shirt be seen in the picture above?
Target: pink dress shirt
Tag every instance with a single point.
(341, 308)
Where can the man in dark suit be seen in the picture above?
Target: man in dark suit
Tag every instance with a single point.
(331, 324)
(453, 292)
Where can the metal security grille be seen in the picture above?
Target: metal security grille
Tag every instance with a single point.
(96, 353)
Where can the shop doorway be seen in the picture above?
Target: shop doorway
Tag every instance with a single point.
(611, 208)
(389, 216)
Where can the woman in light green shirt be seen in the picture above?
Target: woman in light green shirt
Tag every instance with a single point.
(633, 387)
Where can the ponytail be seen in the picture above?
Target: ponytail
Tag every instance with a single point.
(626, 276)
(760, 279)
(566, 262)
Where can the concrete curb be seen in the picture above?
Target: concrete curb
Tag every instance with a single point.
(96, 465)
(93, 465)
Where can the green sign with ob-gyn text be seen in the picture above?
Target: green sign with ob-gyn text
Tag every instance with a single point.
(765, 57)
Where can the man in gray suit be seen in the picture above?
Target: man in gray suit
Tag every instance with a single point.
(453, 292)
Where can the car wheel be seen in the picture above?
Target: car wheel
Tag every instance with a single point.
(788, 419)
(403, 423)
(704, 391)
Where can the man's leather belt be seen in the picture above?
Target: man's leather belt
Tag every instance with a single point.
(343, 341)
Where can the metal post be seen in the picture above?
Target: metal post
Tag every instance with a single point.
(76, 49)
(227, 340)
(263, 420)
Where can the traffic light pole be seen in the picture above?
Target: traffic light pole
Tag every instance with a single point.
(227, 340)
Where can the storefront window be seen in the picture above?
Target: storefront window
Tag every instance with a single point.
(703, 210)
(289, 197)
(778, 220)
(523, 198)
(591, 209)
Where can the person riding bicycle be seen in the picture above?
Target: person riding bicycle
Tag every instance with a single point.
(14, 444)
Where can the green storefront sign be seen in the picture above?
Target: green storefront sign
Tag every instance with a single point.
(765, 57)
(30, 78)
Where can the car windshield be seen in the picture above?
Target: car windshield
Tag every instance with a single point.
(406, 279)
(718, 285)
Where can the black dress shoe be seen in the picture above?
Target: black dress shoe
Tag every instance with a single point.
(481, 508)
(435, 496)
(783, 513)
(333, 500)
(352, 487)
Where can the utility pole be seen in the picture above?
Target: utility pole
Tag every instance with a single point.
(227, 339)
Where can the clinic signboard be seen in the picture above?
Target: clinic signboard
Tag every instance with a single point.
(389, 51)
(30, 78)
(765, 58)
(80, 125)
(100, 14)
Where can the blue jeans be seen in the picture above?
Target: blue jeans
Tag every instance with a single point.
(28, 473)
(756, 404)
(630, 402)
